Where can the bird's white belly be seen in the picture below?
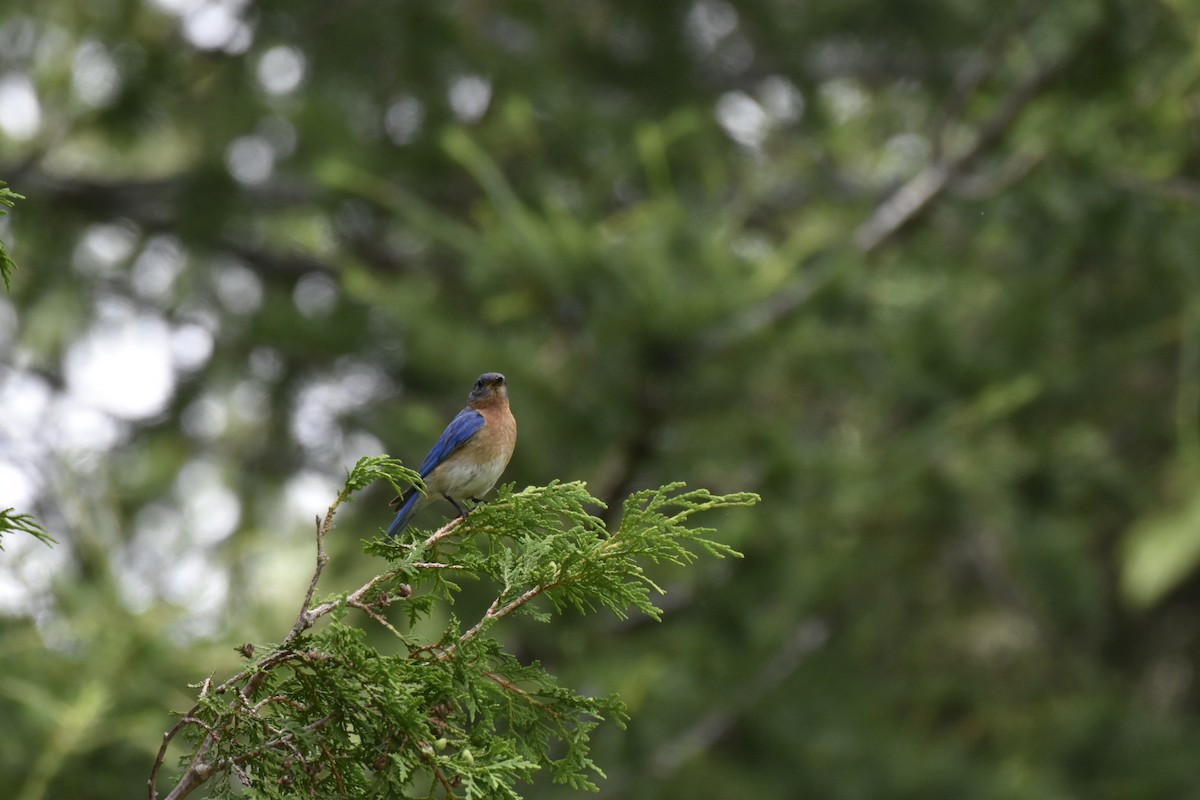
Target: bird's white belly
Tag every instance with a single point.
(465, 480)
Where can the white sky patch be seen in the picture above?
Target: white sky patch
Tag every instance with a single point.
(77, 428)
(103, 247)
(155, 269)
(205, 418)
(281, 69)
(250, 402)
(28, 571)
(211, 510)
(178, 7)
(20, 109)
(237, 287)
(191, 346)
(122, 366)
(307, 495)
(743, 119)
(266, 364)
(783, 102)
(320, 403)
(95, 77)
(217, 25)
(708, 22)
(26, 399)
(470, 96)
(199, 582)
(846, 98)
(250, 159)
(357, 444)
(160, 563)
(404, 119)
(17, 488)
(315, 295)
(143, 569)
(314, 421)
(171, 555)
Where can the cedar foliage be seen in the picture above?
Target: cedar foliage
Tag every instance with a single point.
(325, 713)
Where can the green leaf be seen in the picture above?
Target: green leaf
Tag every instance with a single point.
(1160, 552)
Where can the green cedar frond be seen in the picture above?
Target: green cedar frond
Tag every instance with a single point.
(372, 468)
(327, 712)
(7, 265)
(12, 521)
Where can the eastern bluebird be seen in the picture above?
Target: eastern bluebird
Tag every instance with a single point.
(469, 456)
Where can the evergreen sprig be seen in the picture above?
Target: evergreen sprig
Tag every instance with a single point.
(7, 265)
(325, 713)
(11, 521)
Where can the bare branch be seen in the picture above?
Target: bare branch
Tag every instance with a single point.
(496, 611)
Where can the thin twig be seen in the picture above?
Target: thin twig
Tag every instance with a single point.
(284, 740)
(370, 612)
(303, 621)
(443, 532)
(277, 698)
(198, 770)
(496, 611)
(337, 775)
(162, 750)
(512, 687)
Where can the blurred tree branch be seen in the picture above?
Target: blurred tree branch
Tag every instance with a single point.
(803, 640)
(915, 195)
(1184, 190)
(982, 67)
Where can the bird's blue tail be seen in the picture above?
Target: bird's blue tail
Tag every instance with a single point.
(406, 511)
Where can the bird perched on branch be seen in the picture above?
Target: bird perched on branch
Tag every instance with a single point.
(470, 455)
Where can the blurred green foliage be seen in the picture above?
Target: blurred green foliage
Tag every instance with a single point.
(920, 273)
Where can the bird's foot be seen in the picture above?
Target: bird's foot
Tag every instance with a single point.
(463, 511)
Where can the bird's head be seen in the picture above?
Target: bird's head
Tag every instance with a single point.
(489, 385)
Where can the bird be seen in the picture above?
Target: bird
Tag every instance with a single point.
(469, 456)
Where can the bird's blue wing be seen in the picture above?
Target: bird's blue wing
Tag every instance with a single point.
(457, 433)
(404, 515)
